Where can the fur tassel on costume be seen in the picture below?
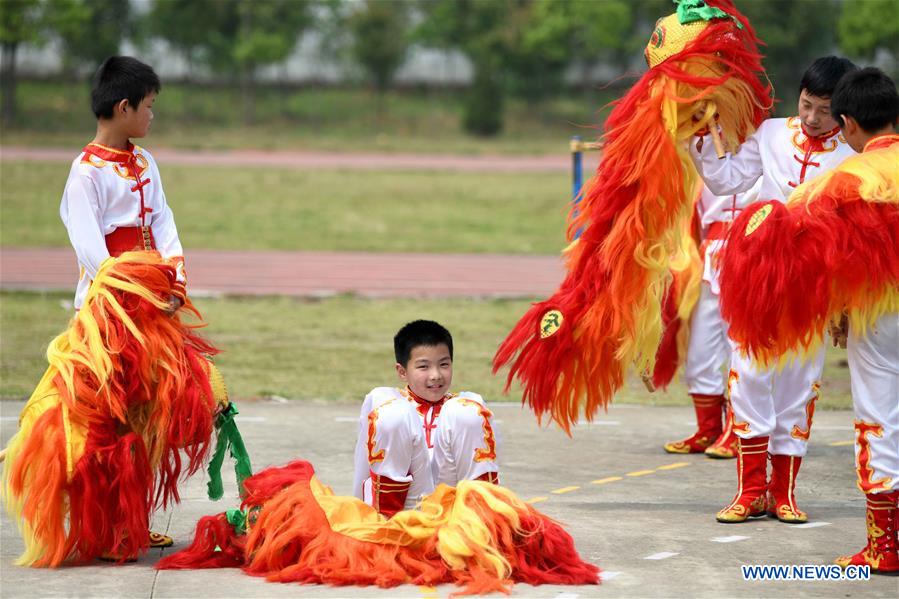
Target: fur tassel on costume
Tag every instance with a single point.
(789, 271)
(123, 412)
(573, 351)
(678, 305)
(478, 535)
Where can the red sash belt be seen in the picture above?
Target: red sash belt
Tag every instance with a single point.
(128, 239)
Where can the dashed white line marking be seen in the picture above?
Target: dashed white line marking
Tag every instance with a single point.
(9, 418)
(830, 427)
(662, 555)
(346, 419)
(605, 575)
(241, 418)
(810, 525)
(599, 423)
(567, 596)
(730, 539)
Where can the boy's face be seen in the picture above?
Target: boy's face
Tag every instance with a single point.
(429, 372)
(814, 112)
(137, 120)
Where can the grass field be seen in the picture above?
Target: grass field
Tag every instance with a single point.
(276, 208)
(330, 349)
(57, 114)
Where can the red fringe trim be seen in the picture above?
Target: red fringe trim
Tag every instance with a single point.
(292, 541)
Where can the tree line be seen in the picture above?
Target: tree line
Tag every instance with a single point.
(520, 48)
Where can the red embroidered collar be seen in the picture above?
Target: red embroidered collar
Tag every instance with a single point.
(817, 143)
(424, 402)
(881, 141)
(110, 154)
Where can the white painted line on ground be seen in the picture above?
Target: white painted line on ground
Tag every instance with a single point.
(810, 525)
(241, 418)
(277, 399)
(730, 539)
(9, 418)
(567, 596)
(662, 555)
(505, 404)
(605, 575)
(536, 499)
(826, 427)
(346, 419)
(599, 422)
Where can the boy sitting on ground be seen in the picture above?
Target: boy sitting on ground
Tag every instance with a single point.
(412, 439)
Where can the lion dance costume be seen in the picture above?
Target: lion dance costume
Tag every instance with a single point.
(292, 528)
(127, 407)
(573, 351)
(832, 250)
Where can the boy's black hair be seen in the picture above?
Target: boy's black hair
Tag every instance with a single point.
(418, 333)
(869, 96)
(121, 78)
(822, 77)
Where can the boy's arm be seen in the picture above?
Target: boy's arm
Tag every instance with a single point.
(735, 173)
(81, 214)
(166, 234)
(360, 458)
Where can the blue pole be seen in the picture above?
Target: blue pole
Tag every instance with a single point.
(577, 172)
(577, 167)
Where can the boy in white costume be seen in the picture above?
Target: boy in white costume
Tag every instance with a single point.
(709, 350)
(769, 404)
(113, 200)
(412, 439)
(867, 105)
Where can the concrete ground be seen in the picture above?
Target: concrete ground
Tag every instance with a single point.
(645, 517)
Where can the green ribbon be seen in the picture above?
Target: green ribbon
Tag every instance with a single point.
(689, 11)
(228, 439)
(238, 520)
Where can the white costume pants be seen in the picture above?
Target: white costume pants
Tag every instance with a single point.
(775, 403)
(709, 350)
(874, 371)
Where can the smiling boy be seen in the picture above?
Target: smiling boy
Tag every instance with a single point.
(773, 408)
(412, 439)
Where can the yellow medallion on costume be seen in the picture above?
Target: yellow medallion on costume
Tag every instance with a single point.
(550, 323)
(758, 218)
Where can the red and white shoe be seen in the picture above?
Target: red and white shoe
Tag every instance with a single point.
(752, 464)
(781, 502)
(882, 551)
(708, 425)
